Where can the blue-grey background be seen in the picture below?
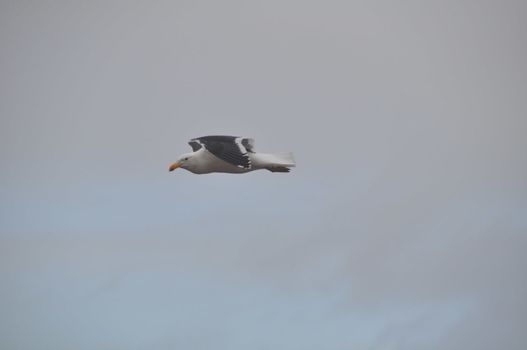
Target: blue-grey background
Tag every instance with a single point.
(404, 225)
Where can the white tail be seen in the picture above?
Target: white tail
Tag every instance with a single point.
(275, 162)
(282, 159)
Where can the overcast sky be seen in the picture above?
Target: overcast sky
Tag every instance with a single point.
(404, 225)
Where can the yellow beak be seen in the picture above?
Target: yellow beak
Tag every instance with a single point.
(174, 166)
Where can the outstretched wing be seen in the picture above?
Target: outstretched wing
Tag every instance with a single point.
(228, 148)
(248, 144)
(195, 145)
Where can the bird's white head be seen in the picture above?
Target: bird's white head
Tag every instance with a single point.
(185, 161)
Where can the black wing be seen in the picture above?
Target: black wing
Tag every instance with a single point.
(248, 144)
(228, 148)
(195, 145)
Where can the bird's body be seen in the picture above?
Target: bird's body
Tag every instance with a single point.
(230, 154)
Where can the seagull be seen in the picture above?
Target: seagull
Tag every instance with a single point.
(230, 154)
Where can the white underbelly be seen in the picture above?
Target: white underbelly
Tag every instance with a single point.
(212, 164)
(209, 163)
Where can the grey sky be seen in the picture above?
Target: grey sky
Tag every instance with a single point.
(403, 226)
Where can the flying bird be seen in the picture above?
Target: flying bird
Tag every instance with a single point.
(230, 154)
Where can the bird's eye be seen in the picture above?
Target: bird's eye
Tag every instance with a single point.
(186, 158)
